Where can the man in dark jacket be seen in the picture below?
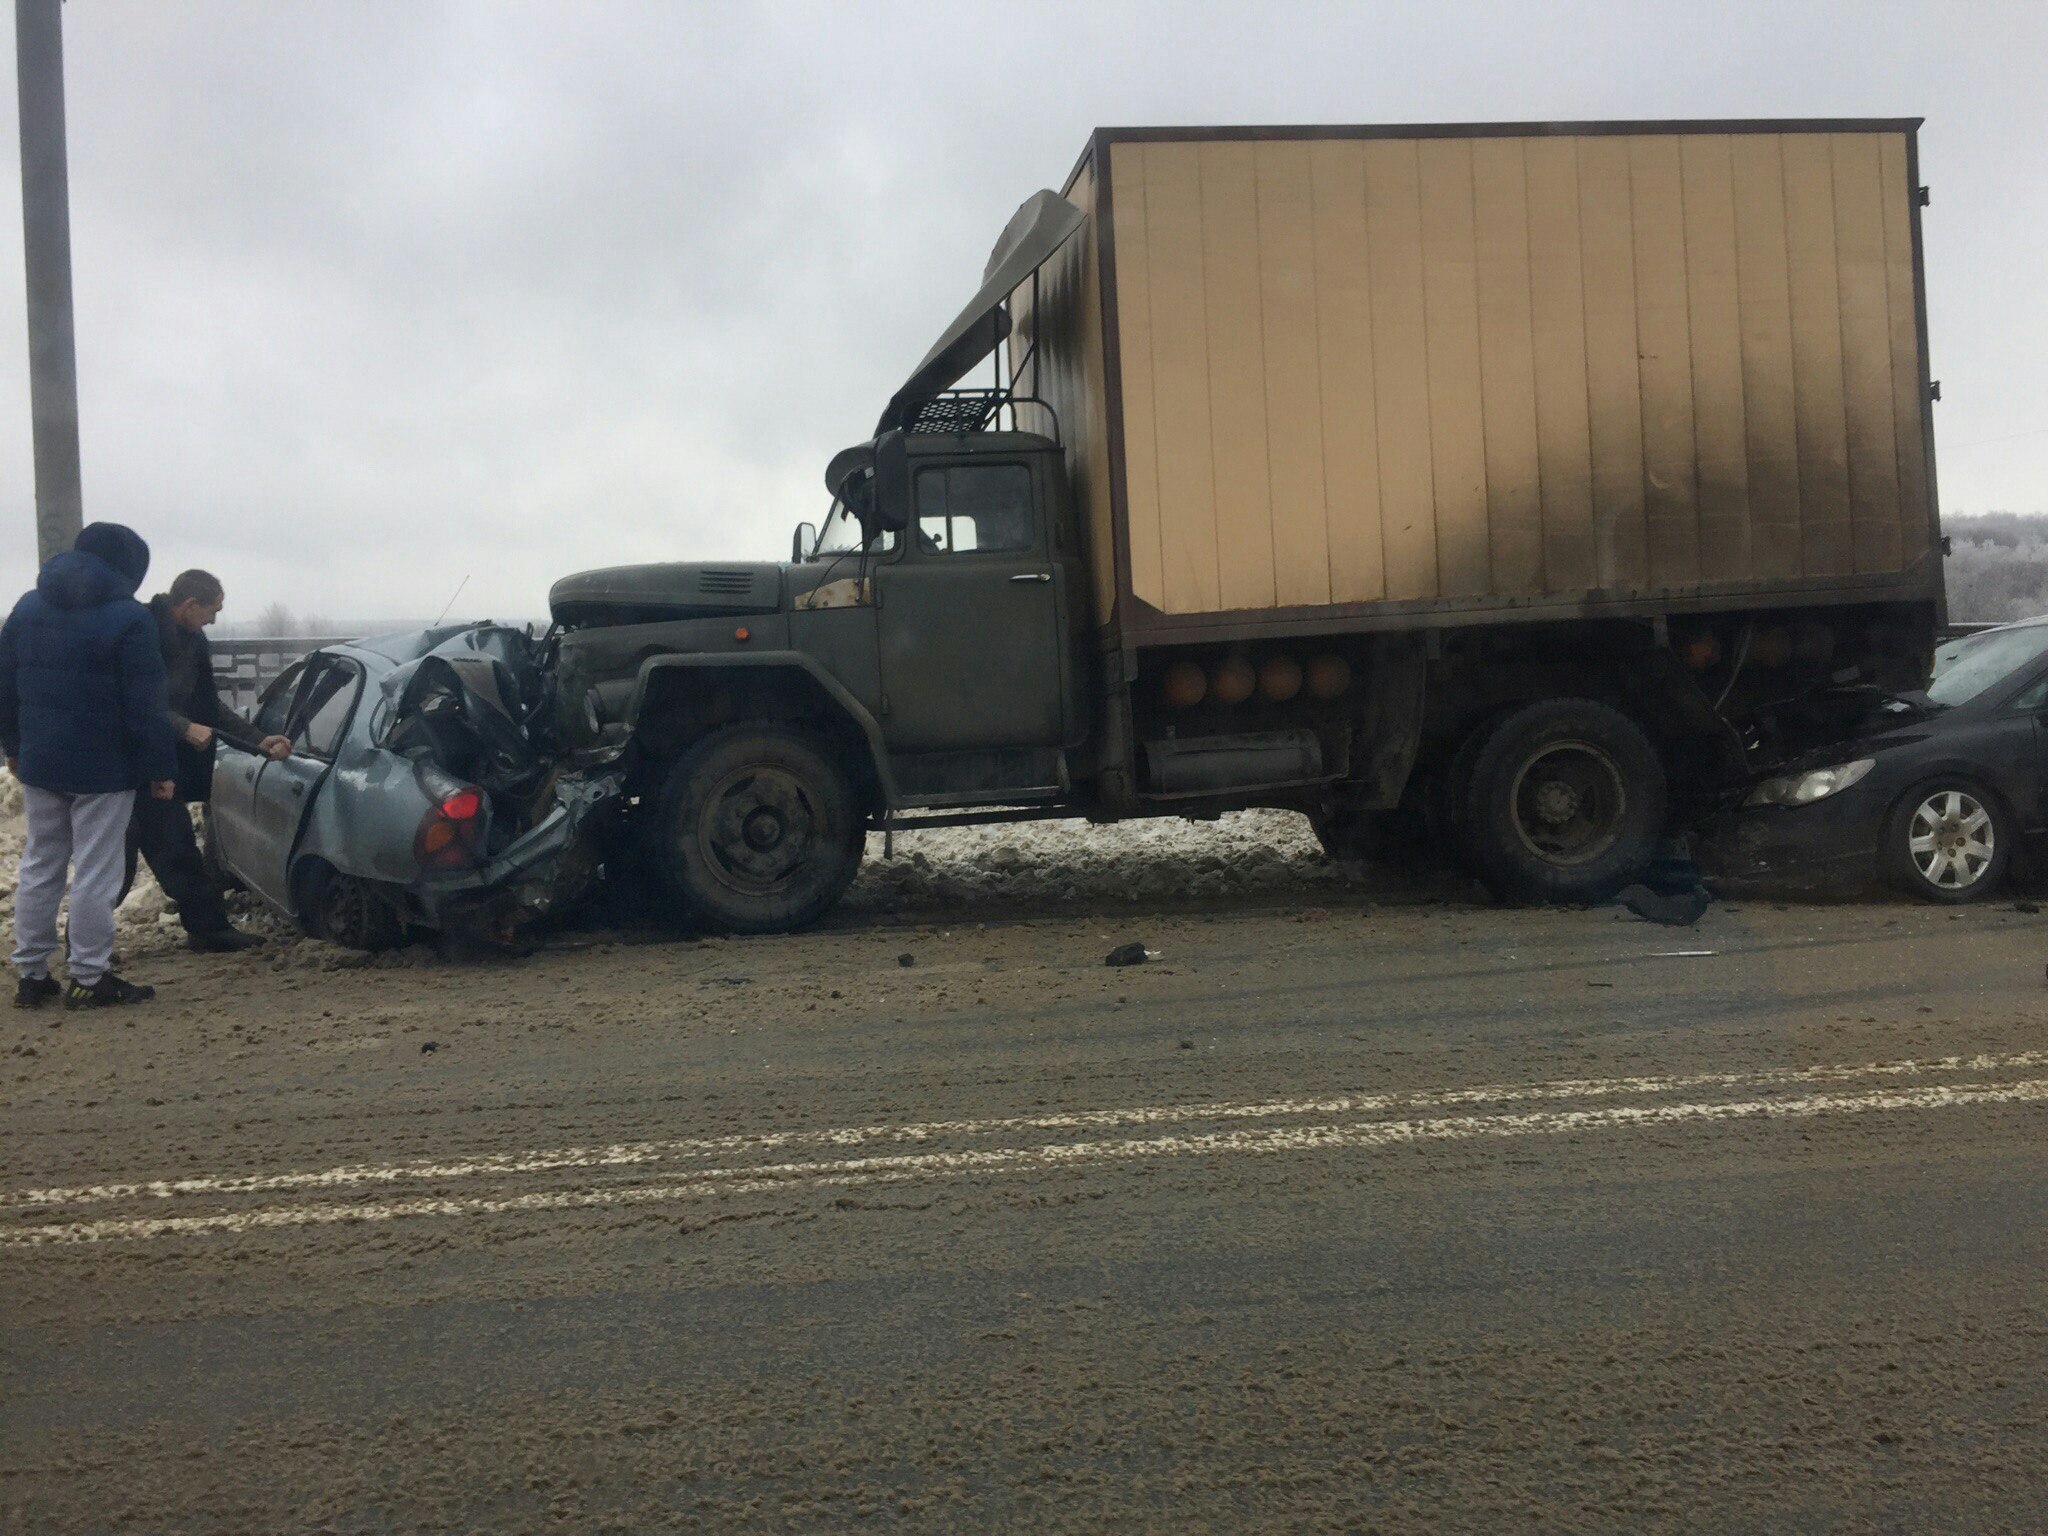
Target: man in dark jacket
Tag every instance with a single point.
(162, 829)
(82, 721)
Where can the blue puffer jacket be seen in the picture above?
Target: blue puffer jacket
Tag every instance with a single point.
(82, 704)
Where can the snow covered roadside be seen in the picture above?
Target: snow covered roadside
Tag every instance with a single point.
(1072, 861)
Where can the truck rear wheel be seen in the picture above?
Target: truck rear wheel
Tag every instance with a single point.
(759, 833)
(1564, 801)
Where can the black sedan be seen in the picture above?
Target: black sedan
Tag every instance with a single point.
(1938, 796)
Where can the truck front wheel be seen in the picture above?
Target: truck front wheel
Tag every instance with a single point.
(1564, 801)
(759, 833)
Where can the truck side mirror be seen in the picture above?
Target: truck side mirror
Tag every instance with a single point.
(802, 542)
(892, 483)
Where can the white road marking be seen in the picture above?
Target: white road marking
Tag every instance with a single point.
(909, 1167)
(632, 1154)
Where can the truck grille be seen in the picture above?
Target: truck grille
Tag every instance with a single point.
(725, 581)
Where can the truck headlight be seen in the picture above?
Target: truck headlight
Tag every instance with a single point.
(1805, 788)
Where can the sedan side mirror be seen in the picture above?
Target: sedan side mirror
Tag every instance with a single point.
(802, 542)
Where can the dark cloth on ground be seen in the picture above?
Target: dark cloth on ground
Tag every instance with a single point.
(194, 695)
(81, 676)
(161, 831)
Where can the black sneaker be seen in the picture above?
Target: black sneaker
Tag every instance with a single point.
(225, 941)
(34, 991)
(110, 991)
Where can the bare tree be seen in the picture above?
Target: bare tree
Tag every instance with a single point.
(276, 622)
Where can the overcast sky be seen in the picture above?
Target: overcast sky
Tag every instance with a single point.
(373, 296)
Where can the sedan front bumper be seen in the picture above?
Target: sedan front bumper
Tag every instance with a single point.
(1829, 844)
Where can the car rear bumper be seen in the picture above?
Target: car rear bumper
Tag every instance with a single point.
(554, 863)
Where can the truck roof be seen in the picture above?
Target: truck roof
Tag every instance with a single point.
(1557, 129)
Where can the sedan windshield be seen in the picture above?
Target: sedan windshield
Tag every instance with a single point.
(1965, 668)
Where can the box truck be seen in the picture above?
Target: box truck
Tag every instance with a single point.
(1501, 490)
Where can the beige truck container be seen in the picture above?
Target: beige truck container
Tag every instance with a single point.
(1312, 380)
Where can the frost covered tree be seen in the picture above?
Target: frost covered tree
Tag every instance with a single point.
(1998, 566)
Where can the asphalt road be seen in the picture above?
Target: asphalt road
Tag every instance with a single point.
(1415, 1217)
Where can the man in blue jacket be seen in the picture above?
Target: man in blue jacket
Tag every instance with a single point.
(83, 722)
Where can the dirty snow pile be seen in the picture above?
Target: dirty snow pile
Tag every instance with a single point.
(1128, 861)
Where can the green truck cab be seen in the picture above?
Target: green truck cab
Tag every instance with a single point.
(1360, 484)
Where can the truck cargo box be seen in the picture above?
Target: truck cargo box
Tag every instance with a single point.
(1374, 377)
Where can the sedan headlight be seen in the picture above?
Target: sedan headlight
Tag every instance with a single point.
(1805, 788)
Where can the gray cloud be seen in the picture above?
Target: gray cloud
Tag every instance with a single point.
(376, 295)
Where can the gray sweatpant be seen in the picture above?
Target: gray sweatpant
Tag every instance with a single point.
(88, 834)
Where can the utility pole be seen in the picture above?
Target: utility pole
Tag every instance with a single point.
(46, 249)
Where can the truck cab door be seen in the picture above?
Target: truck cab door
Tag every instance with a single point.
(971, 620)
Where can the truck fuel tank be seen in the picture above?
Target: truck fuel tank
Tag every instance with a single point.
(1195, 765)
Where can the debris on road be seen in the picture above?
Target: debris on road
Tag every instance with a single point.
(906, 959)
(1132, 953)
(1679, 910)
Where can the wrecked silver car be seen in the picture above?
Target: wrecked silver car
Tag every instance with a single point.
(424, 792)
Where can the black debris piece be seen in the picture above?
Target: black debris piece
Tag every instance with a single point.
(1679, 910)
(906, 959)
(428, 1047)
(2026, 906)
(1132, 953)
(1187, 1045)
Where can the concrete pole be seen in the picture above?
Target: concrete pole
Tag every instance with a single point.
(46, 248)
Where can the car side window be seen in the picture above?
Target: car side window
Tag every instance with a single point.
(975, 509)
(324, 707)
(2032, 699)
(274, 709)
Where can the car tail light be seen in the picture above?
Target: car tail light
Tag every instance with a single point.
(451, 834)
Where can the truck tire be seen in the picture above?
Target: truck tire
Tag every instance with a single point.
(758, 830)
(1350, 835)
(1564, 802)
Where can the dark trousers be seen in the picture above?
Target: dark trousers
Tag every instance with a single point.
(161, 831)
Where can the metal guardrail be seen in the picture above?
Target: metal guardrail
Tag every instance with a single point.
(244, 668)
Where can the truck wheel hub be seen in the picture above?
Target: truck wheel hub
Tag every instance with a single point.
(758, 828)
(762, 829)
(1569, 802)
(1557, 802)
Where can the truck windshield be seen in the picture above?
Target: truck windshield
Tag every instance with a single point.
(841, 535)
(1965, 668)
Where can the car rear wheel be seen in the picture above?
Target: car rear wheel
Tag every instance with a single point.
(346, 911)
(1563, 801)
(1949, 842)
(759, 830)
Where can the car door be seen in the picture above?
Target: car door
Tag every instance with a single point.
(232, 805)
(283, 791)
(2030, 707)
(969, 623)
